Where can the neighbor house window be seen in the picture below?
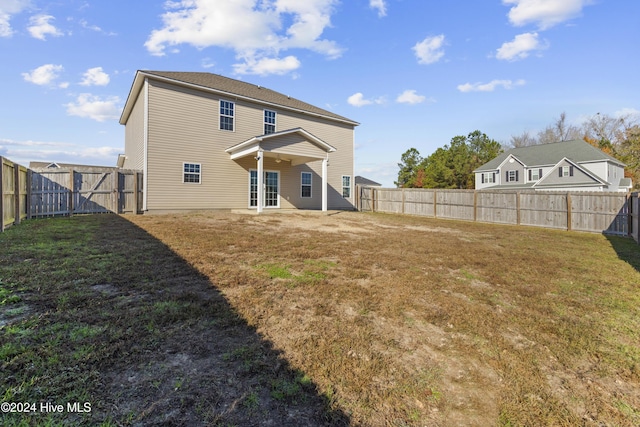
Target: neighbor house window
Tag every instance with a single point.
(565, 171)
(535, 174)
(269, 121)
(305, 184)
(227, 114)
(488, 177)
(512, 176)
(191, 172)
(346, 186)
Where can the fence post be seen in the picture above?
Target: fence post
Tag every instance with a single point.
(16, 193)
(72, 190)
(135, 193)
(475, 206)
(568, 211)
(435, 202)
(403, 200)
(518, 207)
(115, 192)
(28, 201)
(1, 194)
(373, 199)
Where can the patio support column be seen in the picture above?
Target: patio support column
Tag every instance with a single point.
(260, 159)
(325, 162)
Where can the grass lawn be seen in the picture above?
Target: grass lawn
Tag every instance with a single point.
(308, 319)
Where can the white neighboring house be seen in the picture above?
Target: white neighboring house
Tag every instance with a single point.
(561, 166)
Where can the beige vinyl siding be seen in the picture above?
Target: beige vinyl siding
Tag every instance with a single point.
(134, 136)
(184, 127)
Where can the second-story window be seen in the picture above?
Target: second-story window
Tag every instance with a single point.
(269, 121)
(227, 114)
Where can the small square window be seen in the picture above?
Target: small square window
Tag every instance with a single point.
(191, 173)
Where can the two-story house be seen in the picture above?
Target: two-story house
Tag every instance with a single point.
(205, 141)
(561, 166)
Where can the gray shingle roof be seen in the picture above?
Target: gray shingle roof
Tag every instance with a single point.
(248, 90)
(577, 150)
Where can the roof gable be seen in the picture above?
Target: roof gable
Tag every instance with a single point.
(229, 87)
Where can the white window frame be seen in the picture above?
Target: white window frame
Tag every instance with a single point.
(346, 187)
(488, 177)
(268, 123)
(566, 171)
(197, 174)
(232, 116)
(310, 185)
(512, 176)
(535, 174)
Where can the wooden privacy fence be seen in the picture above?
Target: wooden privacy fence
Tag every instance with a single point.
(34, 194)
(602, 212)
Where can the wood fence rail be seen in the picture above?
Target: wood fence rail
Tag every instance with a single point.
(25, 193)
(602, 212)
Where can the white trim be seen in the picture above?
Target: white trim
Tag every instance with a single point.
(199, 173)
(312, 138)
(310, 185)
(145, 154)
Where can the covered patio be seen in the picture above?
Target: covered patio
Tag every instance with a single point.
(296, 146)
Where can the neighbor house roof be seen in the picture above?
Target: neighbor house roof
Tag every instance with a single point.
(577, 150)
(229, 87)
(57, 165)
(360, 180)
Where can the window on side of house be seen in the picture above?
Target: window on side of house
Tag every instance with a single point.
(305, 184)
(227, 115)
(191, 173)
(488, 177)
(269, 122)
(346, 186)
(512, 176)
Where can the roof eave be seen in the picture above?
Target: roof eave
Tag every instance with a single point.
(138, 85)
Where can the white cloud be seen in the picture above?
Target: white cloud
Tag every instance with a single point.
(358, 100)
(256, 30)
(380, 5)
(40, 27)
(23, 152)
(44, 75)
(7, 9)
(95, 77)
(94, 107)
(410, 97)
(267, 66)
(491, 86)
(430, 49)
(520, 47)
(545, 13)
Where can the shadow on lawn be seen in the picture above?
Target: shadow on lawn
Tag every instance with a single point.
(627, 249)
(170, 349)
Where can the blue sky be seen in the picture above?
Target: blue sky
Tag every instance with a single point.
(414, 73)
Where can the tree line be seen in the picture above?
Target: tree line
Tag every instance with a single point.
(452, 166)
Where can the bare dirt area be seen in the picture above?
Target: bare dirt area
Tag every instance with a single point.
(304, 318)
